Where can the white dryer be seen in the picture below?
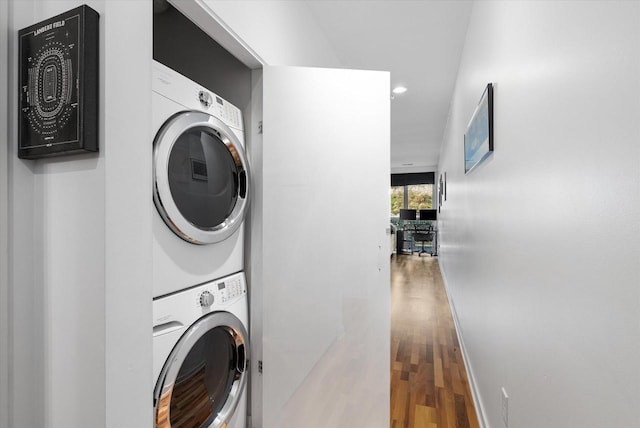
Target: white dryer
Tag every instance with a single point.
(201, 183)
(201, 356)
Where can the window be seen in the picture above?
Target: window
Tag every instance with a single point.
(397, 200)
(419, 196)
(411, 191)
(414, 196)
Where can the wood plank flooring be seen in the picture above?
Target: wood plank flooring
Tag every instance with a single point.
(429, 386)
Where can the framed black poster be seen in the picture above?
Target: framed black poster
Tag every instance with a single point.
(58, 92)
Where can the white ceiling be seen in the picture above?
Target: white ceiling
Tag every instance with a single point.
(420, 42)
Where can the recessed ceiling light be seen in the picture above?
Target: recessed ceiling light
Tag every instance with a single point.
(399, 90)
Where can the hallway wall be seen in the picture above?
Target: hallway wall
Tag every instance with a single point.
(540, 245)
(77, 262)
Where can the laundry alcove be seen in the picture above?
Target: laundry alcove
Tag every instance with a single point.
(318, 145)
(79, 240)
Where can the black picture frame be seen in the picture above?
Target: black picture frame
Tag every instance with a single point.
(440, 193)
(444, 187)
(58, 85)
(478, 138)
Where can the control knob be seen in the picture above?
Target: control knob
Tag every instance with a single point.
(205, 98)
(206, 299)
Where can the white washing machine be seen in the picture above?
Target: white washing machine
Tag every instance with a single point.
(201, 183)
(201, 356)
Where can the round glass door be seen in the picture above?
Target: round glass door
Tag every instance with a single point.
(204, 375)
(201, 177)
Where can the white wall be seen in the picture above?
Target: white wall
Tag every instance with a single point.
(540, 245)
(4, 176)
(128, 211)
(29, 344)
(281, 32)
(79, 266)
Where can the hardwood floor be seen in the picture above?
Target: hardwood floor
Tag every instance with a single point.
(429, 386)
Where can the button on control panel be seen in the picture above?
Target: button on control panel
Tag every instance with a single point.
(229, 113)
(230, 289)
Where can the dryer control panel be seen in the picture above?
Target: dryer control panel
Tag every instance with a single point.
(193, 96)
(222, 109)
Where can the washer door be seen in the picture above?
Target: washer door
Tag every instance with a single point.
(204, 375)
(201, 177)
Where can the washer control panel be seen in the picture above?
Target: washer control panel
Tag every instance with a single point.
(230, 289)
(220, 292)
(176, 311)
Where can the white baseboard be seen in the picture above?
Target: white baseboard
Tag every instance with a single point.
(477, 402)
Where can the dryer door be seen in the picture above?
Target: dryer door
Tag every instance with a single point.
(201, 177)
(204, 376)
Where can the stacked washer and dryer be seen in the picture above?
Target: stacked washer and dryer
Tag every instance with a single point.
(201, 189)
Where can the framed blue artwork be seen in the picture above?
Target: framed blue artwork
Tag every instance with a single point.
(478, 140)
